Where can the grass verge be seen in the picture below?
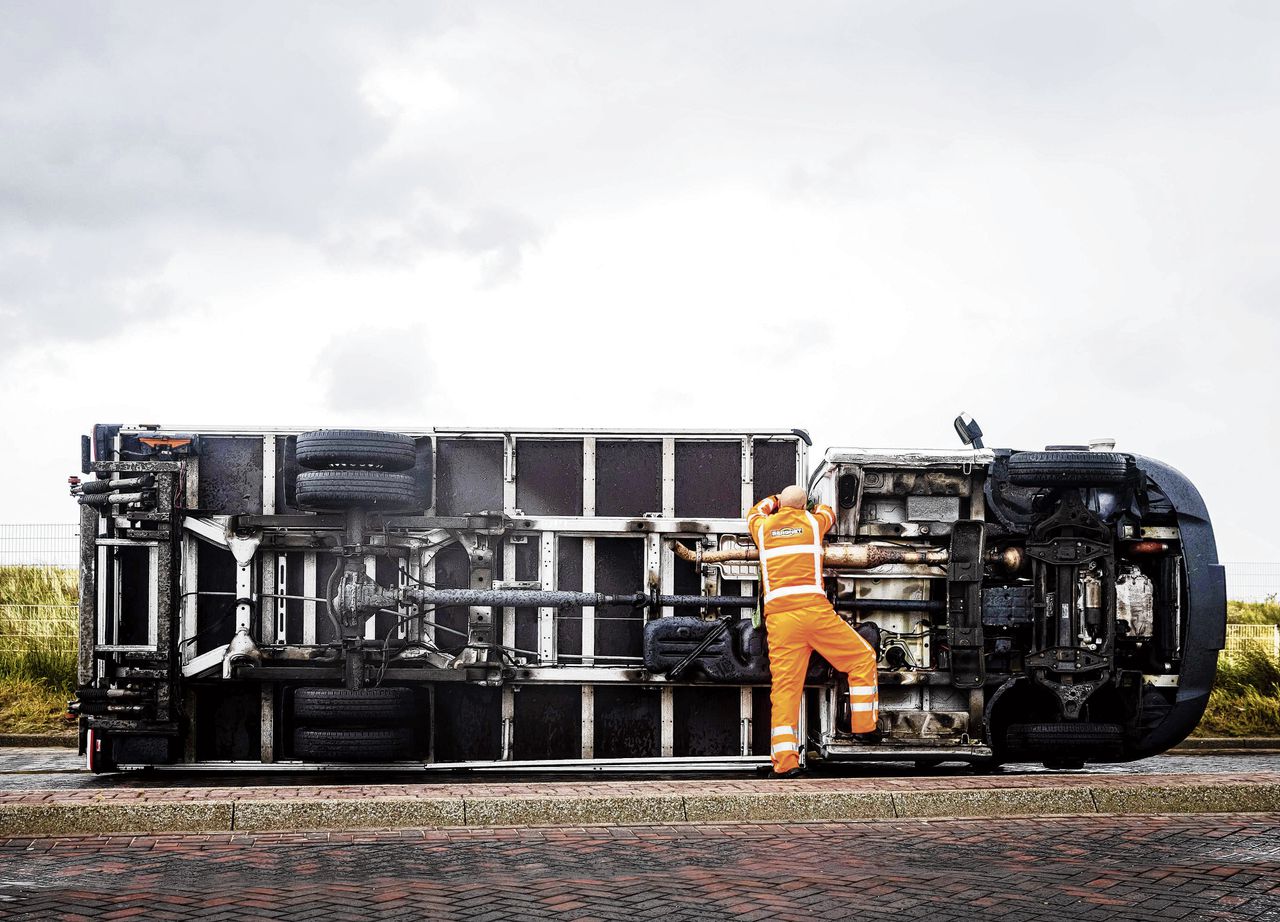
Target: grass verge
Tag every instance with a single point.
(39, 586)
(34, 706)
(37, 649)
(1253, 612)
(1245, 700)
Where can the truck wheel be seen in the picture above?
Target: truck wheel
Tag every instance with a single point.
(383, 744)
(383, 490)
(1067, 742)
(367, 448)
(358, 707)
(98, 753)
(1068, 468)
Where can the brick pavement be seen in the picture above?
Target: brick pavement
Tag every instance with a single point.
(598, 787)
(1146, 869)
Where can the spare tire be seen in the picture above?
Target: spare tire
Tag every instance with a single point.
(353, 707)
(382, 490)
(365, 448)
(1068, 468)
(384, 744)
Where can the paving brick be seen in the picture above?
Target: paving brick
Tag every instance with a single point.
(1100, 867)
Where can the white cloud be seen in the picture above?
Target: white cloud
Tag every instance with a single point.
(1058, 217)
(376, 371)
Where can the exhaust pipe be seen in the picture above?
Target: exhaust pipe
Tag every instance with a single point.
(853, 556)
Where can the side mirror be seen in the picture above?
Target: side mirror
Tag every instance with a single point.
(969, 431)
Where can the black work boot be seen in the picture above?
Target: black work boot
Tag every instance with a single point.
(875, 736)
(796, 772)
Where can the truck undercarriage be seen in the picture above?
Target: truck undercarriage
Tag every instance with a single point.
(490, 597)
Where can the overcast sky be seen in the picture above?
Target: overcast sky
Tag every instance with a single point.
(858, 218)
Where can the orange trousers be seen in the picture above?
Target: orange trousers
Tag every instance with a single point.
(793, 635)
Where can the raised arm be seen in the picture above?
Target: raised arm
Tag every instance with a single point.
(826, 517)
(766, 506)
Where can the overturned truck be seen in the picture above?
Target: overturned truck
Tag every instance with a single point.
(471, 597)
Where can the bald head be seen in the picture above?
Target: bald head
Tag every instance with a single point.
(794, 496)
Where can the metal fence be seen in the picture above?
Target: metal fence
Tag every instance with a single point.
(1253, 582)
(40, 545)
(1264, 638)
(44, 628)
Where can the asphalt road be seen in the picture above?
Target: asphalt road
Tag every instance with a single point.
(1141, 868)
(62, 769)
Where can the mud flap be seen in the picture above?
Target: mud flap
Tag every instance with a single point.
(964, 604)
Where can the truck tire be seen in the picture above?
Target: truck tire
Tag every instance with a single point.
(364, 448)
(1068, 468)
(382, 490)
(1067, 741)
(382, 744)
(353, 707)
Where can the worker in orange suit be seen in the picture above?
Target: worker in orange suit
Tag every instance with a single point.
(799, 620)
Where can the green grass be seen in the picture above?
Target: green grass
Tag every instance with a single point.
(38, 586)
(37, 649)
(1253, 612)
(1245, 700)
(31, 706)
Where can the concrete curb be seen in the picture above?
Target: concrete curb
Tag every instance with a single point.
(1223, 744)
(1189, 798)
(39, 740)
(332, 813)
(406, 812)
(54, 819)
(997, 802)
(573, 811)
(794, 806)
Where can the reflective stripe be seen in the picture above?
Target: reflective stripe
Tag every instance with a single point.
(783, 747)
(794, 590)
(813, 549)
(782, 731)
(863, 689)
(764, 571)
(817, 547)
(866, 706)
(791, 549)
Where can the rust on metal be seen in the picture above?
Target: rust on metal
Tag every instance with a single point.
(852, 556)
(1146, 547)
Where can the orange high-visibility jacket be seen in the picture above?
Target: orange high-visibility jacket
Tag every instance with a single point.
(790, 543)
